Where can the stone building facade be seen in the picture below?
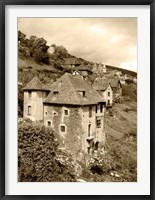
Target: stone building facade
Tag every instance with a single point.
(73, 109)
(103, 87)
(34, 95)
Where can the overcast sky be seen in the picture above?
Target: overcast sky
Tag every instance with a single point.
(112, 41)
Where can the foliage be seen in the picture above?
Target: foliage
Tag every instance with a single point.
(38, 49)
(38, 155)
(23, 51)
(129, 81)
(21, 37)
(119, 159)
(20, 101)
(130, 91)
(60, 52)
(33, 47)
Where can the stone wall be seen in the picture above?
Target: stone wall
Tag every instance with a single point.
(97, 133)
(80, 125)
(70, 138)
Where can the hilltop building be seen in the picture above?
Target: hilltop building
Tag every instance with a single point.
(73, 109)
(101, 68)
(103, 87)
(116, 86)
(108, 88)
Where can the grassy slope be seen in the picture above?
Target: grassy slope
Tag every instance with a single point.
(124, 121)
(25, 63)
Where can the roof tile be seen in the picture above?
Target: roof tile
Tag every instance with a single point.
(36, 84)
(69, 90)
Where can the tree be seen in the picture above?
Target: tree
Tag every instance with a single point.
(21, 37)
(60, 52)
(38, 49)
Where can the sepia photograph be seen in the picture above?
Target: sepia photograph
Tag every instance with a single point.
(77, 99)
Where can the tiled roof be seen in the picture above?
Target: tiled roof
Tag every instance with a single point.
(114, 82)
(36, 84)
(67, 91)
(102, 84)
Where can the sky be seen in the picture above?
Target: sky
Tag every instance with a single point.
(112, 41)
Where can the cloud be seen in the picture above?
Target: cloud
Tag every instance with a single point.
(112, 41)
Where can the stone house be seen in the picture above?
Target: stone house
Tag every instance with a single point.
(116, 86)
(103, 87)
(72, 108)
(102, 68)
(34, 94)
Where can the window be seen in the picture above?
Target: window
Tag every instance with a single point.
(46, 113)
(96, 146)
(66, 112)
(96, 109)
(98, 122)
(101, 108)
(108, 102)
(29, 110)
(30, 93)
(49, 123)
(82, 93)
(55, 113)
(55, 93)
(62, 128)
(89, 128)
(90, 111)
(108, 94)
(46, 94)
(76, 111)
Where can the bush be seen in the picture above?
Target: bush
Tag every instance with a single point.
(38, 156)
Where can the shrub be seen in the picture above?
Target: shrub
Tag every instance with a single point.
(38, 155)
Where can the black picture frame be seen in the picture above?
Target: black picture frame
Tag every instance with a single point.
(3, 3)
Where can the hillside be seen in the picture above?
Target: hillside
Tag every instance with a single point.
(124, 71)
(34, 53)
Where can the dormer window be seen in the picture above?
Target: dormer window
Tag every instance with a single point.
(82, 93)
(55, 93)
